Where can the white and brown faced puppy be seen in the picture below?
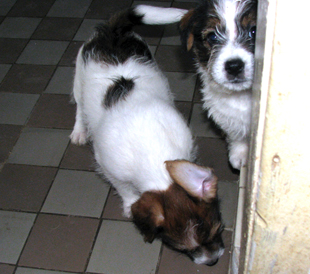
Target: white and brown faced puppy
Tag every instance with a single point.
(221, 34)
(141, 142)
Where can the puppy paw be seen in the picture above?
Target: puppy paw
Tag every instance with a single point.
(78, 137)
(127, 212)
(238, 154)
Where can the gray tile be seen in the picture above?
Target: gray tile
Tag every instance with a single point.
(39, 146)
(15, 108)
(152, 3)
(228, 195)
(24, 270)
(3, 70)
(171, 36)
(62, 81)
(200, 124)
(69, 8)
(119, 249)
(5, 6)
(78, 193)
(86, 29)
(182, 85)
(14, 230)
(42, 52)
(18, 27)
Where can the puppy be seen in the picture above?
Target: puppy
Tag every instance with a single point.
(141, 142)
(221, 34)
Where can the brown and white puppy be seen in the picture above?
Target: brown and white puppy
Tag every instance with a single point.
(221, 34)
(142, 144)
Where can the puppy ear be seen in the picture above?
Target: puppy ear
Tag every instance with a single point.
(186, 29)
(148, 215)
(198, 181)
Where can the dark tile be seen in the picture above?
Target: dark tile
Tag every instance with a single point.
(6, 269)
(59, 243)
(99, 11)
(174, 263)
(11, 49)
(197, 92)
(212, 152)
(52, 28)
(78, 157)
(27, 78)
(151, 34)
(53, 111)
(24, 187)
(8, 137)
(113, 209)
(174, 58)
(185, 108)
(31, 8)
(184, 5)
(69, 57)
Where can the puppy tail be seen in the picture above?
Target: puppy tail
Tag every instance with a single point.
(157, 15)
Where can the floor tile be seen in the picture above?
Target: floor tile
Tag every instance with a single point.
(18, 27)
(3, 70)
(174, 59)
(69, 8)
(62, 81)
(59, 243)
(53, 111)
(86, 29)
(228, 195)
(39, 146)
(14, 230)
(11, 49)
(182, 85)
(15, 108)
(151, 34)
(5, 6)
(79, 193)
(213, 153)
(6, 269)
(43, 52)
(99, 11)
(31, 8)
(171, 35)
(27, 78)
(24, 187)
(201, 125)
(8, 137)
(78, 157)
(185, 108)
(69, 57)
(173, 262)
(113, 209)
(24, 270)
(107, 257)
(52, 28)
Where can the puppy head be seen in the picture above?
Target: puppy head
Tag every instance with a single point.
(186, 216)
(222, 36)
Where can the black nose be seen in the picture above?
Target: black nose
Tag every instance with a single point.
(234, 67)
(214, 262)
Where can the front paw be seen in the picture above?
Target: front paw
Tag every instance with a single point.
(78, 137)
(238, 154)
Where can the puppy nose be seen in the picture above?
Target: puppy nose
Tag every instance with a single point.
(234, 67)
(214, 262)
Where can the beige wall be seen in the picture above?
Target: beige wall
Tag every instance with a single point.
(277, 228)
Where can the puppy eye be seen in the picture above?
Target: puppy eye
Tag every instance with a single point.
(252, 32)
(212, 38)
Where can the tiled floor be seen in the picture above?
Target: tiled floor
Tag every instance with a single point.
(56, 215)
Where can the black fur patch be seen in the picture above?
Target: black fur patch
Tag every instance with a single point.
(118, 91)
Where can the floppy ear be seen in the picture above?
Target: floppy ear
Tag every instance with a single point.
(148, 215)
(186, 29)
(198, 181)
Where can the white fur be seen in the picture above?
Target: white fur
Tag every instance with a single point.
(157, 15)
(133, 138)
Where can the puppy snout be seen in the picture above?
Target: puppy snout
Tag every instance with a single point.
(213, 262)
(234, 67)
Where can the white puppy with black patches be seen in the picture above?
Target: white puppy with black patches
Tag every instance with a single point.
(142, 144)
(221, 34)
